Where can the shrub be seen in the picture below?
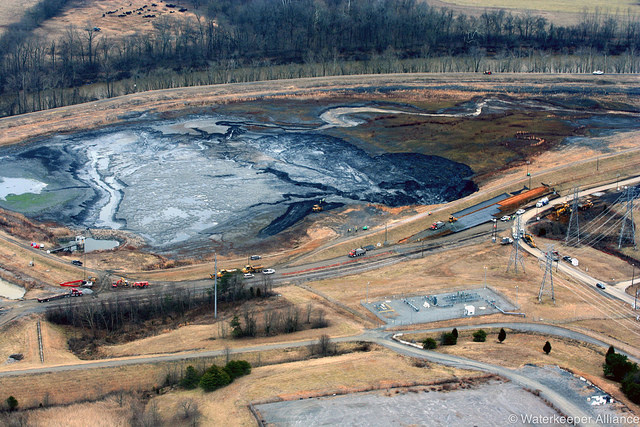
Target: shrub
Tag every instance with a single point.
(448, 339)
(429, 344)
(454, 332)
(12, 402)
(631, 386)
(479, 336)
(237, 368)
(214, 378)
(547, 347)
(191, 378)
(617, 367)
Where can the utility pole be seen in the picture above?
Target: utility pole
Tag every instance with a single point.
(574, 224)
(546, 287)
(628, 228)
(516, 256)
(633, 275)
(215, 285)
(516, 295)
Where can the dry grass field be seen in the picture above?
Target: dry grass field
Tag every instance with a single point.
(349, 372)
(207, 335)
(519, 349)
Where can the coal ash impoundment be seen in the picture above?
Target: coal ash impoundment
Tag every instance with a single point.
(182, 180)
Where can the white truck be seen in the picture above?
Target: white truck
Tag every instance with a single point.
(542, 202)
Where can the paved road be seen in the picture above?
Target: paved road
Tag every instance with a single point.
(579, 275)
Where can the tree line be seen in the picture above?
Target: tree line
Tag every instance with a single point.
(235, 41)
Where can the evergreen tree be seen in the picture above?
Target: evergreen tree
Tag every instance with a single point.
(502, 335)
(547, 347)
(191, 378)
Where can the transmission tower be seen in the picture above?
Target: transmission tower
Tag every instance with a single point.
(546, 287)
(574, 225)
(516, 255)
(628, 228)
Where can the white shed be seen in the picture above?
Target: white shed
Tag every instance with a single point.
(469, 310)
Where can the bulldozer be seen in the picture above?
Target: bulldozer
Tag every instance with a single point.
(452, 219)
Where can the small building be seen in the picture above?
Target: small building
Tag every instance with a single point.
(469, 310)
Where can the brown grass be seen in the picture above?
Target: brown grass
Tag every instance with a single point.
(206, 335)
(519, 349)
(350, 372)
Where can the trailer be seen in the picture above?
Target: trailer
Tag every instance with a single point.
(73, 293)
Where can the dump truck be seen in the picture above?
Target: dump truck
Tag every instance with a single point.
(357, 252)
(252, 268)
(72, 293)
(436, 225)
(223, 272)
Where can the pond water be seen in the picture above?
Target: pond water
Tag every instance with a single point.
(91, 244)
(11, 291)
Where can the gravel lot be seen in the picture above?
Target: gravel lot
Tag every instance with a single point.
(451, 305)
(490, 404)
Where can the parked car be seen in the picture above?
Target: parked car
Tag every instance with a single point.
(248, 275)
(519, 211)
(268, 271)
(600, 285)
(76, 262)
(505, 218)
(598, 72)
(255, 257)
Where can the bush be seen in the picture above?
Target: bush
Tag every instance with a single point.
(479, 336)
(237, 368)
(448, 339)
(547, 347)
(214, 378)
(617, 367)
(429, 344)
(631, 386)
(12, 402)
(191, 378)
(454, 332)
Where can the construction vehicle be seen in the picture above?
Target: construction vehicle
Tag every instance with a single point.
(252, 268)
(316, 208)
(223, 272)
(121, 283)
(140, 285)
(82, 283)
(452, 219)
(587, 204)
(73, 293)
(436, 225)
(528, 239)
(357, 252)
(561, 209)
